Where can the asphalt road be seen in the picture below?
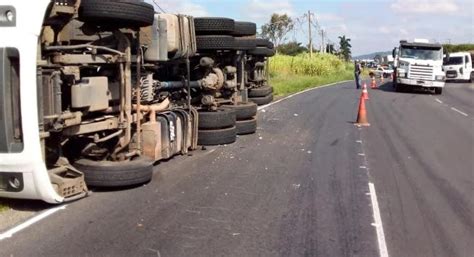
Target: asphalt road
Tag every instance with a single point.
(299, 187)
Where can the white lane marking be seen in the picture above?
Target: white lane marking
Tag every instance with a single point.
(363, 167)
(299, 93)
(460, 112)
(35, 219)
(439, 101)
(378, 222)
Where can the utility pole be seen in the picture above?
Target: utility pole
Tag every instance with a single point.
(310, 35)
(323, 46)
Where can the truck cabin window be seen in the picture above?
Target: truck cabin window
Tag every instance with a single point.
(421, 53)
(453, 61)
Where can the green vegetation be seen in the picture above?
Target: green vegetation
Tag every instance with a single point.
(3, 207)
(290, 74)
(459, 48)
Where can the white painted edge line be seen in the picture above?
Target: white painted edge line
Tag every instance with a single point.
(460, 112)
(378, 222)
(35, 219)
(439, 101)
(301, 92)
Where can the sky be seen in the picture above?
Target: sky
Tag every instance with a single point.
(372, 25)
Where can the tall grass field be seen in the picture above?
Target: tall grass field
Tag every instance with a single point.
(290, 74)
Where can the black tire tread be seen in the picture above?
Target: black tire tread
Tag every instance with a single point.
(243, 111)
(222, 118)
(262, 51)
(116, 14)
(213, 25)
(243, 28)
(215, 42)
(262, 100)
(116, 174)
(260, 91)
(217, 137)
(246, 127)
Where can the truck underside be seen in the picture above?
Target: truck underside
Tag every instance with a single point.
(119, 88)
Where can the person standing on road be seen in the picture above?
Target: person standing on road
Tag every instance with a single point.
(357, 72)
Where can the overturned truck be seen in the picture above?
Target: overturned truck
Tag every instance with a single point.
(94, 92)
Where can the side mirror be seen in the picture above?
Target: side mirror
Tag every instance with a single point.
(395, 52)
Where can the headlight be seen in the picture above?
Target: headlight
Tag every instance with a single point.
(439, 77)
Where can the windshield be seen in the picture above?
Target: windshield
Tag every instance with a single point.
(421, 53)
(453, 61)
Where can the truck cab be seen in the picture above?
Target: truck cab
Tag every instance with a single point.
(458, 67)
(419, 64)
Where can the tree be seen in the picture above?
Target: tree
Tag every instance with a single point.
(345, 47)
(278, 27)
(330, 49)
(292, 48)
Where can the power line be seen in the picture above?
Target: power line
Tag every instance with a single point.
(159, 7)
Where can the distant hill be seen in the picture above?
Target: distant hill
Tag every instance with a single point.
(372, 55)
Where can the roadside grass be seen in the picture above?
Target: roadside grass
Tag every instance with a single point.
(3, 207)
(291, 74)
(289, 84)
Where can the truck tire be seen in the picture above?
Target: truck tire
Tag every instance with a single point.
(438, 90)
(260, 91)
(243, 111)
(262, 42)
(262, 51)
(245, 44)
(217, 136)
(471, 78)
(215, 43)
(262, 100)
(246, 127)
(222, 118)
(116, 174)
(243, 28)
(117, 14)
(213, 26)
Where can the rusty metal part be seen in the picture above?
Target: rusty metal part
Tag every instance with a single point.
(81, 59)
(67, 181)
(93, 47)
(88, 128)
(153, 109)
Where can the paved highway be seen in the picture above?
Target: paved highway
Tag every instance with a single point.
(299, 187)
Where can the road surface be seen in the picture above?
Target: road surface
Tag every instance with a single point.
(299, 187)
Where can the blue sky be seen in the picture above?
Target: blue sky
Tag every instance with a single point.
(375, 25)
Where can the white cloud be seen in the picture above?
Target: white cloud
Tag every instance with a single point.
(384, 30)
(425, 6)
(258, 10)
(329, 17)
(182, 7)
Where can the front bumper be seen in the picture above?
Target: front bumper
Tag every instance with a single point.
(420, 83)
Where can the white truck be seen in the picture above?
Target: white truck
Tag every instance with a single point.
(94, 92)
(419, 64)
(459, 67)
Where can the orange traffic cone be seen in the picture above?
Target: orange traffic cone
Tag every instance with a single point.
(365, 92)
(362, 116)
(374, 83)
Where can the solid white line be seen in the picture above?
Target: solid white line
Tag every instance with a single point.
(378, 222)
(299, 93)
(30, 222)
(439, 101)
(458, 111)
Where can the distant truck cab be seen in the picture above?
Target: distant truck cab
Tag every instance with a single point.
(419, 64)
(459, 66)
